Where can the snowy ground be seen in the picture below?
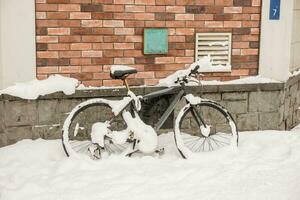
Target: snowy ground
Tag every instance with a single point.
(265, 166)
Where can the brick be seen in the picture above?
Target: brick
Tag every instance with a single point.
(103, 31)
(46, 7)
(101, 75)
(163, 74)
(47, 70)
(176, 38)
(46, 23)
(134, 8)
(155, 23)
(91, 53)
(58, 1)
(184, 60)
(112, 53)
(213, 24)
(223, 2)
(47, 39)
(82, 76)
(93, 83)
(185, 31)
(113, 8)
(91, 8)
(251, 23)
(96, 15)
(124, 31)
(160, 60)
(91, 68)
(81, 1)
(204, 17)
(233, 9)
(81, 46)
(57, 15)
(40, 1)
(256, 2)
(80, 61)
(195, 9)
(69, 39)
(249, 52)
(69, 23)
(123, 15)
(97, 61)
(223, 17)
(232, 24)
(81, 31)
(113, 23)
(251, 10)
(40, 15)
(255, 17)
(165, 2)
(134, 23)
(195, 24)
(70, 69)
(133, 38)
(58, 31)
(151, 82)
(133, 53)
(41, 31)
(145, 2)
(242, 2)
(165, 16)
(240, 45)
(123, 60)
(41, 46)
(101, 46)
(80, 15)
(69, 7)
(91, 23)
(144, 75)
(58, 47)
(70, 54)
(239, 72)
(47, 54)
(155, 9)
(175, 9)
(175, 24)
(112, 82)
(58, 61)
(184, 17)
(144, 16)
(123, 45)
(124, 2)
(92, 38)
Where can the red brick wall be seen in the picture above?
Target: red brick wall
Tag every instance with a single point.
(82, 38)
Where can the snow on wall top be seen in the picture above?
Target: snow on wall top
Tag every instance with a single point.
(33, 89)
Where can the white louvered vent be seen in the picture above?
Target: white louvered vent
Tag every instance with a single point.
(217, 46)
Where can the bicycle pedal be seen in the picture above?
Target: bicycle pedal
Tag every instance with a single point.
(160, 151)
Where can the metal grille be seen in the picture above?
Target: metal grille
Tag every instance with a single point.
(217, 46)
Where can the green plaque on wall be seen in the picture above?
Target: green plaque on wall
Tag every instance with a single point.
(155, 41)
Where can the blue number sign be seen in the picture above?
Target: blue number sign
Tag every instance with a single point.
(274, 10)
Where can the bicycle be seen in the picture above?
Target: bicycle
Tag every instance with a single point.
(201, 125)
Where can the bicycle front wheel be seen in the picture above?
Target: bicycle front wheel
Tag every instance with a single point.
(77, 128)
(203, 127)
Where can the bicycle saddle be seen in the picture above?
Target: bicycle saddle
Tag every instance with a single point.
(121, 71)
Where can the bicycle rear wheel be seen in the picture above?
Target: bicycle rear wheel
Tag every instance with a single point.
(203, 127)
(77, 128)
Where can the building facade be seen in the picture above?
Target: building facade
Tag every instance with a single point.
(83, 38)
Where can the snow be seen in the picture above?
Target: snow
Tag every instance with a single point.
(35, 88)
(266, 165)
(120, 68)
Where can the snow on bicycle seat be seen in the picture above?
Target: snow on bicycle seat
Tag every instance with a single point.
(121, 71)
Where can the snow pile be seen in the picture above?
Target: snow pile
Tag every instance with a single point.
(120, 68)
(33, 89)
(265, 166)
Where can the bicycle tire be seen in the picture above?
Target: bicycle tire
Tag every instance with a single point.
(86, 113)
(190, 138)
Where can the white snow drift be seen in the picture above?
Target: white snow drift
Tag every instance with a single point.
(266, 165)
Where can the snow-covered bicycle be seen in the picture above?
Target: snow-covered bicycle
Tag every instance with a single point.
(201, 125)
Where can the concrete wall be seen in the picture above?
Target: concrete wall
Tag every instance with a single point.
(253, 106)
(276, 38)
(1, 76)
(295, 46)
(17, 41)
